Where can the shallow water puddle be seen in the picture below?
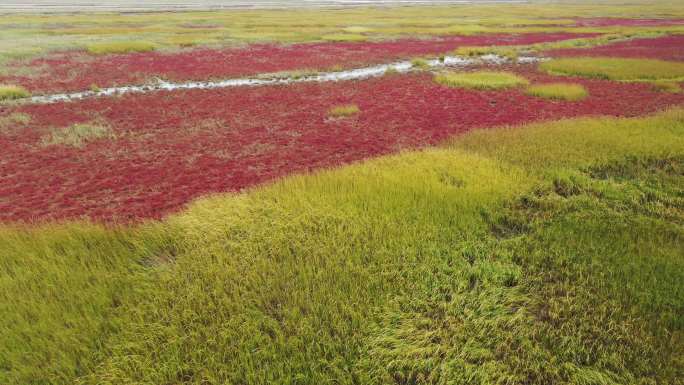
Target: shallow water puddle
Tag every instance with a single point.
(274, 79)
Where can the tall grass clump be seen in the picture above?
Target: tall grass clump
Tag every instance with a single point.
(615, 68)
(481, 80)
(558, 91)
(11, 92)
(77, 135)
(344, 111)
(117, 47)
(419, 62)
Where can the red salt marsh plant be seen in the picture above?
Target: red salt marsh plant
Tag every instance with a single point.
(172, 147)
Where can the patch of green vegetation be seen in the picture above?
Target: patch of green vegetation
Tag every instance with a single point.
(117, 47)
(503, 51)
(419, 62)
(473, 263)
(581, 142)
(344, 111)
(558, 91)
(77, 135)
(665, 86)
(10, 92)
(481, 80)
(391, 71)
(615, 68)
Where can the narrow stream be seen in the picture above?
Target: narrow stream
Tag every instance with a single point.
(275, 79)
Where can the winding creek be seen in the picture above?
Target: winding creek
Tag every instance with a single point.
(278, 79)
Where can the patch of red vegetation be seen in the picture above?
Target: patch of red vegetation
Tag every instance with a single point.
(77, 71)
(624, 22)
(665, 48)
(172, 147)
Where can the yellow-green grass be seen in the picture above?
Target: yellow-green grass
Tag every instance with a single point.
(77, 135)
(514, 51)
(472, 263)
(666, 86)
(504, 51)
(558, 91)
(391, 71)
(481, 80)
(12, 92)
(120, 47)
(32, 35)
(342, 37)
(419, 62)
(344, 111)
(615, 68)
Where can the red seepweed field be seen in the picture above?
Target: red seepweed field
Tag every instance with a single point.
(169, 148)
(173, 147)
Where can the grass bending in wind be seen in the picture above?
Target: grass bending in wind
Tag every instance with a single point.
(470, 263)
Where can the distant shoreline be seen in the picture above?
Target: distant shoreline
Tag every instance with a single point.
(63, 6)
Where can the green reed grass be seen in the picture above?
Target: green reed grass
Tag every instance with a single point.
(11, 92)
(481, 80)
(558, 91)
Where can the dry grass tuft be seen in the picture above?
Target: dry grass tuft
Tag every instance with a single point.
(77, 135)
(10, 123)
(344, 111)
